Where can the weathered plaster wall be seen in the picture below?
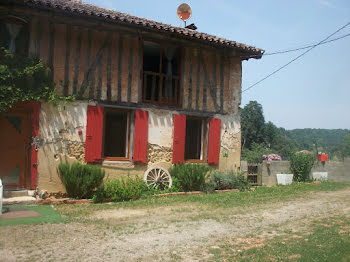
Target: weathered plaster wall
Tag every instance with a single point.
(60, 140)
(160, 127)
(230, 150)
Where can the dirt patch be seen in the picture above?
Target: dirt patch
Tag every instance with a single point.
(179, 232)
(20, 214)
(118, 214)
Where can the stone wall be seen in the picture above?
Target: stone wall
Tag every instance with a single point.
(268, 175)
(337, 171)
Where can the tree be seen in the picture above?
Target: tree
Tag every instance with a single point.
(346, 150)
(252, 124)
(23, 79)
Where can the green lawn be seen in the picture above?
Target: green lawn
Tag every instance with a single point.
(48, 215)
(262, 195)
(326, 240)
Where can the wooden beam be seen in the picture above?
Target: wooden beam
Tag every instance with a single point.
(189, 98)
(120, 55)
(91, 70)
(222, 58)
(77, 62)
(51, 47)
(66, 64)
(109, 71)
(130, 68)
(140, 70)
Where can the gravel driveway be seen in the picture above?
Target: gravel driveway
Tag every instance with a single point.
(179, 232)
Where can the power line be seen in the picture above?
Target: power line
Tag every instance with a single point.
(296, 58)
(305, 47)
(297, 49)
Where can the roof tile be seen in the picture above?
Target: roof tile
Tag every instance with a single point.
(91, 10)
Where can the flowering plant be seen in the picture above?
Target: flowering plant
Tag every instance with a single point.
(271, 157)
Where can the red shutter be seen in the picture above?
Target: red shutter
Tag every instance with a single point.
(214, 141)
(94, 133)
(140, 136)
(179, 139)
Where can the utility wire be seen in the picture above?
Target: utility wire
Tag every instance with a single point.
(305, 47)
(296, 49)
(296, 58)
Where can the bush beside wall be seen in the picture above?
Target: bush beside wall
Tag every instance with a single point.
(191, 177)
(80, 181)
(301, 165)
(230, 180)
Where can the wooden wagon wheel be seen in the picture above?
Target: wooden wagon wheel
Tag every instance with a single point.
(157, 176)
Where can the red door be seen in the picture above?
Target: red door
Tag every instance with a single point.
(15, 141)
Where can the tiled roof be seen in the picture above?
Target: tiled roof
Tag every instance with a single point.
(84, 9)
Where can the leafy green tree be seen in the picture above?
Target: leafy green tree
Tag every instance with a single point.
(346, 150)
(255, 153)
(23, 79)
(330, 141)
(252, 124)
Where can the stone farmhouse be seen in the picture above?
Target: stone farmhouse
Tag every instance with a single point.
(147, 93)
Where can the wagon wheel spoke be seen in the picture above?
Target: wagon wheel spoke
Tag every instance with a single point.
(159, 173)
(164, 175)
(157, 176)
(152, 176)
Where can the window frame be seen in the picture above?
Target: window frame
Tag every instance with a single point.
(128, 135)
(25, 31)
(204, 139)
(177, 103)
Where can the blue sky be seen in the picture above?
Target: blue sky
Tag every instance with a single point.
(312, 92)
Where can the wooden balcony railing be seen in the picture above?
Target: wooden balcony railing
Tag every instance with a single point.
(160, 88)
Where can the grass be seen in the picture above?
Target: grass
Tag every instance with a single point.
(48, 215)
(262, 195)
(326, 240)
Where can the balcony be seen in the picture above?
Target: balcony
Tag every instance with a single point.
(161, 89)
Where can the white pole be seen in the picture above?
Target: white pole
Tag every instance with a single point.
(1, 191)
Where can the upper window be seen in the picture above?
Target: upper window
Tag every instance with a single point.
(195, 139)
(116, 135)
(13, 35)
(161, 73)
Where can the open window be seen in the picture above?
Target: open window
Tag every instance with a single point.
(116, 142)
(194, 142)
(14, 34)
(161, 73)
(195, 139)
(108, 135)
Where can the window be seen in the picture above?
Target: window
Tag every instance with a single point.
(161, 73)
(108, 135)
(194, 142)
(195, 138)
(13, 35)
(116, 134)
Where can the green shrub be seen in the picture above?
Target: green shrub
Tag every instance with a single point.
(191, 177)
(123, 189)
(301, 165)
(80, 180)
(230, 180)
(176, 187)
(254, 155)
